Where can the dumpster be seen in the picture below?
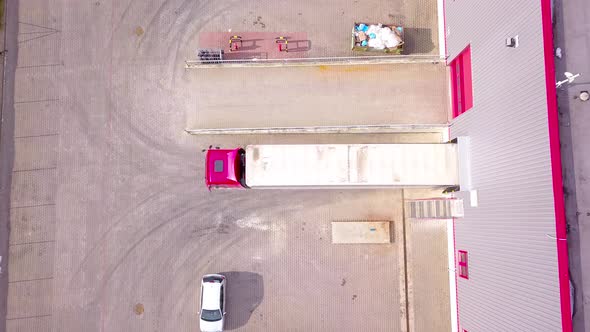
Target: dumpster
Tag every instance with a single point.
(386, 38)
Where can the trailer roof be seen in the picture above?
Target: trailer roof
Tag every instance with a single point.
(329, 165)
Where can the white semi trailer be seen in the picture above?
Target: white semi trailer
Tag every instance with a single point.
(333, 166)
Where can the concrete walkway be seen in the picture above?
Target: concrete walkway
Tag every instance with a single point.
(7, 70)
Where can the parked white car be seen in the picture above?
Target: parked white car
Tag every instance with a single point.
(212, 314)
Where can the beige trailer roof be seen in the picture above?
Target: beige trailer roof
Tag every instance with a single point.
(355, 165)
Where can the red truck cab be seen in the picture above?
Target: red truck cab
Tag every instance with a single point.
(225, 168)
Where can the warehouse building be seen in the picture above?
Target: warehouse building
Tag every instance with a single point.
(511, 258)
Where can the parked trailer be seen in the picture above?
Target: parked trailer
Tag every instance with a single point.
(333, 166)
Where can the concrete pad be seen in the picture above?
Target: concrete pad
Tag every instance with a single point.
(428, 275)
(31, 261)
(427, 268)
(32, 224)
(35, 84)
(36, 152)
(29, 299)
(37, 118)
(38, 16)
(319, 96)
(46, 39)
(33, 188)
(360, 232)
(36, 324)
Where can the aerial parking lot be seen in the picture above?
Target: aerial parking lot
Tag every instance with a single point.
(112, 226)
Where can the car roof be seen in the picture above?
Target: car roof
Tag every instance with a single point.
(211, 295)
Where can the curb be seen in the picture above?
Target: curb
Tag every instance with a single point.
(366, 129)
(310, 62)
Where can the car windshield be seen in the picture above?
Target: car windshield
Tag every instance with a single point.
(211, 315)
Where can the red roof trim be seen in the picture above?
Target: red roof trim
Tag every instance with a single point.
(554, 146)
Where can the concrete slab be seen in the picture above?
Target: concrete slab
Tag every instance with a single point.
(427, 268)
(36, 84)
(33, 188)
(32, 224)
(36, 119)
(360, 232)
(37, 324)
(29, 299)
(35, 152)
(32, 261)
(32, 121)
(318, 96)
(428, 275)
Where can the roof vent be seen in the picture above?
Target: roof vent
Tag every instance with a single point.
(512, 41)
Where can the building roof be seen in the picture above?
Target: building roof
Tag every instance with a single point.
(515, 236)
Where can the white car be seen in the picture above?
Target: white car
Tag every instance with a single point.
(212, 314)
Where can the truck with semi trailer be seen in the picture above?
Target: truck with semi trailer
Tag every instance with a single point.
(333, 166)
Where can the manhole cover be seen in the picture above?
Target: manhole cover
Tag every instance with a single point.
(139, 31)
(138, 309)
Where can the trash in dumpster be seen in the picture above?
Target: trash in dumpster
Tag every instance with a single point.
(377, 37)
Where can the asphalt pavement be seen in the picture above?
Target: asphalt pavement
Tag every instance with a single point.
(112, 226)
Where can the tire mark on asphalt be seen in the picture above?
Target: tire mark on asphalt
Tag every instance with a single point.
(151, 21)
(143, 137)
(125, 11)
(126, 214)
(185, 36)
(178, 12)
(132, 248)
(109, 142)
